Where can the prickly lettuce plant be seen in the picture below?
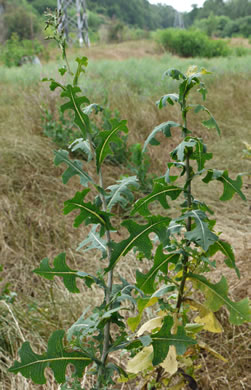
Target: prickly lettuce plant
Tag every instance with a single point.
(179, 250)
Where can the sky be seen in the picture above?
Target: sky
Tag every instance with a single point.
(179, 5)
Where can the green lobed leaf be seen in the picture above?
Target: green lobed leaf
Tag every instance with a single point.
(121, 193)
(227, 250)
(165, 128)
(57, 358)
(197, 150)
(88, 212)
(162, 340)
(211, 122)
(83, 326)
(193, 78)
(174, 74)
(108, 136)
(139, 238)
(93, 241)
(217, 295)
(179, 152)
(200, 154)
(163, 290)
(84, 146)
(54, 84)
(61, 269)
(168, 177)
(75, 103)
(62, 70)
(230, 187)
(170, 98)
(201, 234)
(161, 260)
(142, 304)
(82, 63)
(159, 193)
(74, 168)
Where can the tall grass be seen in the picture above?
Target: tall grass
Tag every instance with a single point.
(141, 75)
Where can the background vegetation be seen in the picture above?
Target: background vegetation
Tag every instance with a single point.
(216, 17)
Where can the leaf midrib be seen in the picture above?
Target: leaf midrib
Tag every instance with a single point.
(153, 196)
(135, 238)
(90, 211)
(158, 267)
(52, 360)
(76, 108)
(226, 300)
(69, 162)
(106, 140)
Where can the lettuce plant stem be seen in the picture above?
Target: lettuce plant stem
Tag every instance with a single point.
(108, 292)
(189, 222)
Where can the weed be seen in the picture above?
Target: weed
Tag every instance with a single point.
(186, 245)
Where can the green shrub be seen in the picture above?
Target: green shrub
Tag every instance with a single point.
(15, 49)
(191, 43)
(42, 5)
(94, 20)
(245, 26)
(213, 25)
(115, 32)
(21, 20)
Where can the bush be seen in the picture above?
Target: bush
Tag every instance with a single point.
(42, 5)
(20, 20)
(191, 43)
(94, 20)
(115, 32)
(14, 50)
(213, 25)
(245, 26)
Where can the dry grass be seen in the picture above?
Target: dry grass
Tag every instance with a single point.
(238, 41)
(115, 51)
(32, 226)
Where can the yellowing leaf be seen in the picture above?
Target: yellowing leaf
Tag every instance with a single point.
(212, 351)
(247, 146)
(210, 322)
(150, 325)
(179, 274)
(205, 317)
(191, 70)
(170, 363)
(142, 303)
(142, 361)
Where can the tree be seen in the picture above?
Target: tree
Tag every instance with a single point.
(20, 18)
(42, 5)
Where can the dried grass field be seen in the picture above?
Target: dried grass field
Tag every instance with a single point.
(32, 194)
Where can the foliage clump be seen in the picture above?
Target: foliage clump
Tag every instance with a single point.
(191, 43)
(15, 52)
